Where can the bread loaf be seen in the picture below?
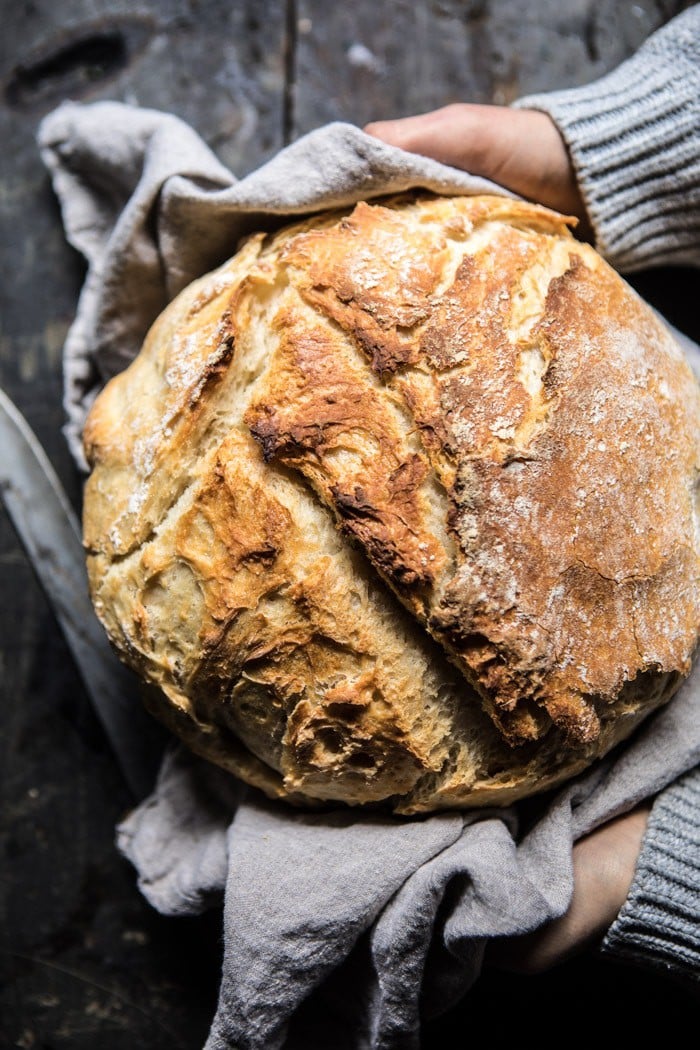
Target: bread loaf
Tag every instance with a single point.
(398, 507)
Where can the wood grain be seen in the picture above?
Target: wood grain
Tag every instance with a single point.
(373, 61)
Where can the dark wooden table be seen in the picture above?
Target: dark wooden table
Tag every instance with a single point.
(85, 961)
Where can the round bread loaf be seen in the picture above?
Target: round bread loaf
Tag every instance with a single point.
(399, 507)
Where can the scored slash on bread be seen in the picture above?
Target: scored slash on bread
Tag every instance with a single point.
(398, 506)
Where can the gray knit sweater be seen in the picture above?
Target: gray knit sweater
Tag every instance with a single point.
(634, 138)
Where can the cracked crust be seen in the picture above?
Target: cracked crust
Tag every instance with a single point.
(399, 507)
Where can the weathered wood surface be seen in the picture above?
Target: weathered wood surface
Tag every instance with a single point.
(85, 961)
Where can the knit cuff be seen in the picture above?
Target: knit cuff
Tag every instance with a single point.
(633, 139)
(659, 924)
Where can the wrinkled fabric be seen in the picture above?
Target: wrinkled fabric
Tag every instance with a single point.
(341, 929)
(150, 207)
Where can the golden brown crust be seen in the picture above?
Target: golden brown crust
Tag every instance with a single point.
(402, 500)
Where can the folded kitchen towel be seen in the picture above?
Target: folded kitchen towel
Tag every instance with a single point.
(341, 929)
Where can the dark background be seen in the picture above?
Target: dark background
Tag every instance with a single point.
(85, 962)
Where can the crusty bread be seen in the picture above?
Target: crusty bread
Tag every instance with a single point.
(398, 507)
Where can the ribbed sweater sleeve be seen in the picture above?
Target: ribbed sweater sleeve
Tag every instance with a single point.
(634, 139)
(658, 927)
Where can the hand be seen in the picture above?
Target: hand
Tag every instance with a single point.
(520, 149)
(604, 864)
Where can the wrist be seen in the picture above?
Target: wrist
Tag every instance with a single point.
(541, 168)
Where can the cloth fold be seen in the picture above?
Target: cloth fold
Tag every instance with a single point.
(150, 207)
(341, 929)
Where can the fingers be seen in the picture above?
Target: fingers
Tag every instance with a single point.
(521, 150)
(452, 135)
(604, 864)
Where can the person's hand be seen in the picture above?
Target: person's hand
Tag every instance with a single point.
(604, 864)
(521, 149)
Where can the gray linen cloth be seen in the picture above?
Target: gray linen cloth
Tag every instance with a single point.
(341, 929)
